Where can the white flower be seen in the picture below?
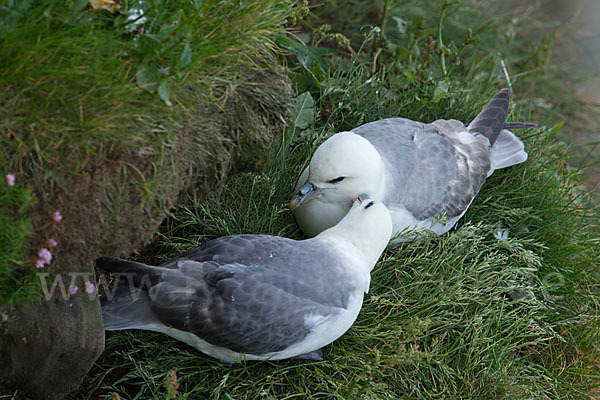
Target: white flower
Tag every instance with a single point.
(501, 235)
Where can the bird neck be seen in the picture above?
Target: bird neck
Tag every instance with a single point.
(364, 243)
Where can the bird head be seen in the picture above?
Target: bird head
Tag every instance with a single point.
(343, 167)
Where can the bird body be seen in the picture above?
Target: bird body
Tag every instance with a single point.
(255, 297)
(427, 174)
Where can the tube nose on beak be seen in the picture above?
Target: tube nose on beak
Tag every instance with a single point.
(358, 200)
(307, 191)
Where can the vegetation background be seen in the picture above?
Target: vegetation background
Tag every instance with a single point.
(464, 315)
(460, 316)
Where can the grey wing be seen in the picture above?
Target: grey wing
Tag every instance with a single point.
(283, 257)
(254, 309)
(394, 139)
(396, 131)
(433, 168)
(235, 249)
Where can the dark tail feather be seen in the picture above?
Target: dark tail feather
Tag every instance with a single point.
(128, 308)
(521, 125)
(491, 119)
(140, 273)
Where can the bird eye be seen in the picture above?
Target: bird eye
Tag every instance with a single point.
(336, 180)
(369, 205)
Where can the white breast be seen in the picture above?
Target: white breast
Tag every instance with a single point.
(325, 330)
(316, 215)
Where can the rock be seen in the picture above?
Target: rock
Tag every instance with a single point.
(46, 349)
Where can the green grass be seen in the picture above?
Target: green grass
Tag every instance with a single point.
(15, 231)
(460, 316)
(91, 83)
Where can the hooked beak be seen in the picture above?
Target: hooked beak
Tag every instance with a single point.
(307, 191)
(359, 199)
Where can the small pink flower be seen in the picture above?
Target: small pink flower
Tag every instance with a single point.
(56, 216)
(89, 287)
(51, 242)
(10, 179)
(39, 263)
(45, 255)
(73, 289)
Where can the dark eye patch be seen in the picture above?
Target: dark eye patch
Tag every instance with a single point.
(369, 205)
(336, 180)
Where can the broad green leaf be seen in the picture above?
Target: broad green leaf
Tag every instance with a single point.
(317, 75)
(147, 77)
(151, 46)
(440, 92)
(410, 75)
(164, 93)
(186, 56)
(304, 112)
(304, 61)
(79, 4)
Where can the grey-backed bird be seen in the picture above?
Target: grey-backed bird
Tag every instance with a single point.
(427, 174)
(255, 297)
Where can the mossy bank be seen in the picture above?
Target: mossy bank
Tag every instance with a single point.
(108, 116)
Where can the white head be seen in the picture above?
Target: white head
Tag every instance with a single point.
(343, 167)
(367, 226)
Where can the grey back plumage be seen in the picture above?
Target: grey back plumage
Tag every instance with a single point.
(431, 170)
(437, 169)
(237, 291)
